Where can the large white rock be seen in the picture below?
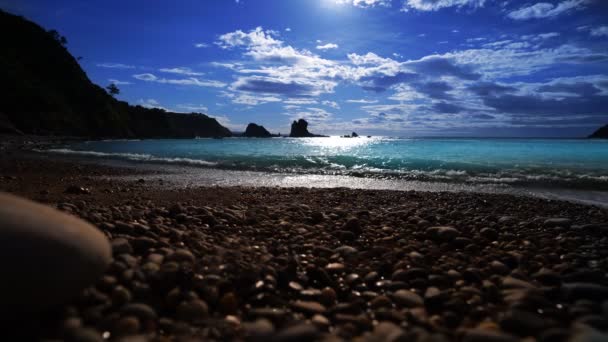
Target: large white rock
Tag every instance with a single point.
(46, 256)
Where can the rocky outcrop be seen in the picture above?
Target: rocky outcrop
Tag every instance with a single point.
(256, 131)
(354, 135)
(601, 133)
(299, 129)
(45, 92)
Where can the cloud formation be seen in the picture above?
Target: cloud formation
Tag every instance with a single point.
(434, 5)
(115, 66)
(191, 81)
(327, 46)
(546, 10)
(181, 71)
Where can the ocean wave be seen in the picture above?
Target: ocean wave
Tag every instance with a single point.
(378, 168)
(131, 156)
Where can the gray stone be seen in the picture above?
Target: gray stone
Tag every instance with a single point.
(50, 256)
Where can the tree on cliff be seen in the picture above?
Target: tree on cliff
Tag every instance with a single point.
(59, 38)
(113, 89)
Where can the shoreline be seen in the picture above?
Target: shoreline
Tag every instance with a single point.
(295, 263)
(180, 175)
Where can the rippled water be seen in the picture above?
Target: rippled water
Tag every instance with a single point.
(568, 163)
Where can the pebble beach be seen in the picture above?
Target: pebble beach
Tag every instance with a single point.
(301, 264)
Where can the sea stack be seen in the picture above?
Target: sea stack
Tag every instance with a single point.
(47, 256)
(299, 129)
(256, 131)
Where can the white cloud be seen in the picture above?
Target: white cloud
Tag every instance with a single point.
(118, 82)
(365, 3)
(600, 31)
(288, 29)
(434, 5)
(193, 108)
(181, 71)
(362, 101)
(312, 115)
(115, 66)
(300, 101)
(191, 81)
(327, 46)
(546, 10)
(201, 45)
(250, 100)
(150, 103)
(331, 104)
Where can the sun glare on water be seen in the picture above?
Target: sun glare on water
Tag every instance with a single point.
(338, 143)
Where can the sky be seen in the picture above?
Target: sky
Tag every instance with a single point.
(534, 68)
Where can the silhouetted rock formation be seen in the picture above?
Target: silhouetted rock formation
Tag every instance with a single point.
(256, 131)
(354, 135)
(601, 133)
(299, 129)
(44, 91)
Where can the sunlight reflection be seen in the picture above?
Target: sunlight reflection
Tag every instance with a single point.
(338, 143)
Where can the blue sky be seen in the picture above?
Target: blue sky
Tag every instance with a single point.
(381, 67)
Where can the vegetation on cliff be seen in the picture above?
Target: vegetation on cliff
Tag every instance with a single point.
(45, 91)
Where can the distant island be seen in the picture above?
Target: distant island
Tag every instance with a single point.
(601, 133)
(299, 129)
(46, 92)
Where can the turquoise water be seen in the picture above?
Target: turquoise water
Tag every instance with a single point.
(577, 164)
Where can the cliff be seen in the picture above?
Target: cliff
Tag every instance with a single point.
(256, 131)
(601, 133)
(44, 91)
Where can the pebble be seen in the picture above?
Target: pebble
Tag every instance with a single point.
(482, 335)
(142, 311)
(575, 291)
(442, 233)
(192, 311)
(41, 246)
(308, 307)
(558, 222)
(408, 298)
(121, 246)
(299, 332)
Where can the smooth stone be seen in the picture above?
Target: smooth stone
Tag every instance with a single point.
(192, 311)
(443, 233)
(574, 291)
(261, 328)
(482, 335)
(50, 256)
(144, 312)
(300, 332)
(121, 246)
(408, 298)
(308, 307)
(387, 331)
(489, 233)
(558, 222)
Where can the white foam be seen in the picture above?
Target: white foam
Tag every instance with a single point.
(131, 156)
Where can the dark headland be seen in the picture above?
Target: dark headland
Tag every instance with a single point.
(107, 258)
(601, 133)
(45, 91)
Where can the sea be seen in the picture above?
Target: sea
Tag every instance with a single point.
(569, 169)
